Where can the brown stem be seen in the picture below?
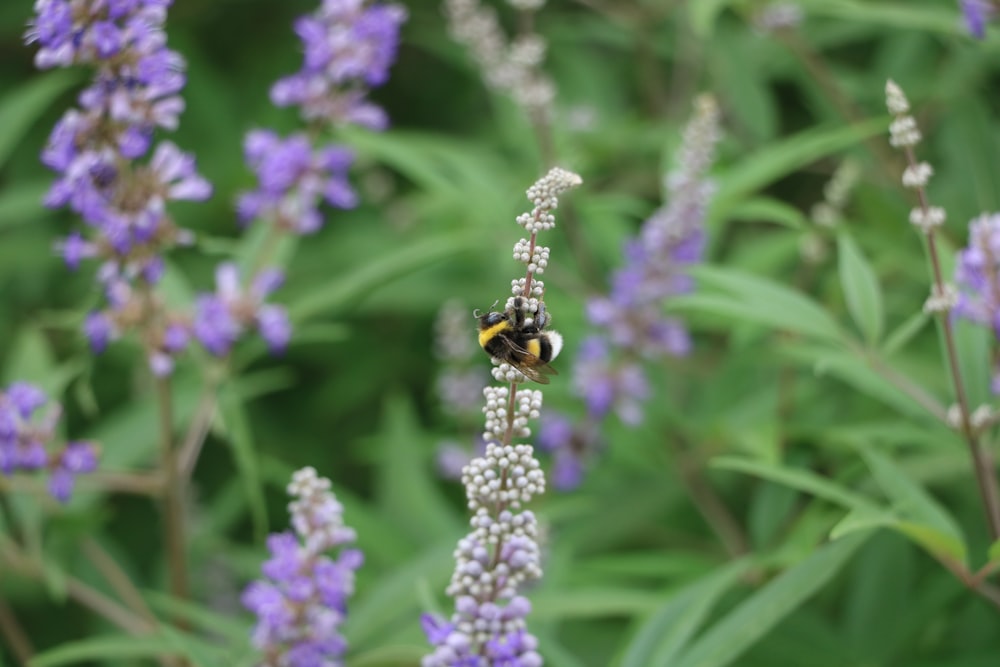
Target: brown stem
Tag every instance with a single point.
(8, 515)
(198, 430)
(173, 496)
(17, 639)
(117, 579)
(926, 400)
(981, 460)
(985, 590)
(845, 106)
(142, 484)
(708, 503)
(85, 595)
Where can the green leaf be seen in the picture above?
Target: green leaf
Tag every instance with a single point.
(104, 648)
(23, 204)
(905, 332)
(237, 429)
(925, 520)
(20, 108)
(766, 209)
(392, 265)
(406, 490)
(935, 541)
(858, 373)
(388, 656)
(861, 519)
(703, 15)
(741, 628)
(199, 616)
(902, 16)
(973, 344)
(668, 630)
(994, 552)
(803, 480)
(861, 289)
(744, 296)
(392, 600)
(593, 603)
(780, 158)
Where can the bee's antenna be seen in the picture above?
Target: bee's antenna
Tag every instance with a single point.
(477, 314)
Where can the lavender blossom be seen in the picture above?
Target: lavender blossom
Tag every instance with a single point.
(293, 178)
(93, 149)
(976, 13)
(977, 274)
(108, 170)
(221, 318)
(28, 424)
(349, 46)
(301, 601)
(656, 268)
(571, 444)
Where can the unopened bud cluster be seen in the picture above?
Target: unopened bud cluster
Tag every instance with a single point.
(498, 420)
(536, 257)
(492, 562)
(827, 213)
(511, 66)
(544, 194)
(501, 553)
(537, 287)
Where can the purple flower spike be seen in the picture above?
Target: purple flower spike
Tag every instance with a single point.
(977, 275)
(976, 13)
(302, 600)
(293, 180)
(349, 46)
(656, 268)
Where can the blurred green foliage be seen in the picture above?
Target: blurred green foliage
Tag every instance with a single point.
(781, 419)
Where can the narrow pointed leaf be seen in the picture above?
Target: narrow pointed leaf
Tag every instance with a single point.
(740, 629)
(861, 289)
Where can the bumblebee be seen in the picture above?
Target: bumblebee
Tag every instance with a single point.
(523, 343)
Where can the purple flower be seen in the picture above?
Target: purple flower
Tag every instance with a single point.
(96, 149)
(977, 274)
(302, 600)
(221, 318)
(571, 445)
(28, 424)
(76, 459)
(293, 180)
(976, 13)
(656, 268)
(349, 46)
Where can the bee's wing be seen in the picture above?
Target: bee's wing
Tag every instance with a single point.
(530, 365)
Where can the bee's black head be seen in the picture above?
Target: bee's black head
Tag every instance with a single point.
(480, 315)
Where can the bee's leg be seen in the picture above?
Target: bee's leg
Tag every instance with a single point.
(541, 317)
(518, 315)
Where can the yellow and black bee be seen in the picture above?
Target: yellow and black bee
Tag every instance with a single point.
(510, 337)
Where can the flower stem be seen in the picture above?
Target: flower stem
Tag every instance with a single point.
(15, 636)
(981, 460)
(173, 496)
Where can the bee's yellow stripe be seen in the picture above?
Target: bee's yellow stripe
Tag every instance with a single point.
(486, 335)
(534, 347)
